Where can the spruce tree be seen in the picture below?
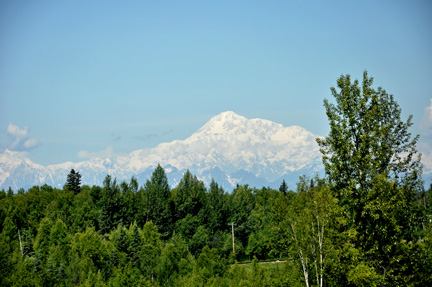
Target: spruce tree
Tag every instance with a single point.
(73, 182)
(283, 187)
(157, 196)
(112, 211)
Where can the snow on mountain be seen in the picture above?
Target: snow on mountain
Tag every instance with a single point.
(232, 142)
(17, 171)
(229, 148)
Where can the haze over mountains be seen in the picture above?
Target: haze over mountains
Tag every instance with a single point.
(229, 148)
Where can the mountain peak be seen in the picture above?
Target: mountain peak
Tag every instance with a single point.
(222, 123)
(227, 116)
(229, 124)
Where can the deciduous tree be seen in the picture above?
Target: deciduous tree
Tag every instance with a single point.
(371, 160)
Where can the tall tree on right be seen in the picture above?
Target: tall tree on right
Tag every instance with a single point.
(371, 160)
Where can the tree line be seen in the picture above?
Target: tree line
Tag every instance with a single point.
(366, 223)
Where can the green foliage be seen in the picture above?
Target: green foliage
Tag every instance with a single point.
(58, 233)
(128, 276)
(370, 160)
(368, 223)
(188, 196)
(90, 245)
(5, 259)
(85, 212)
(135, 241)
(367, 137)
(171, 261)
(210, 264)
(73, 182)
(112, 206)
(157, 197)
(200, 239)
(363, 275)
(119, 239)
(283, 187)
(305, 229)
(259, 244)
(21, 275)
(56, 265)
(42, 241)
(10, 230)
(94, 280)
(216, 208)
(242, 203)
(150, 249)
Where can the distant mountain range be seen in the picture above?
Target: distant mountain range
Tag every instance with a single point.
(229, 148)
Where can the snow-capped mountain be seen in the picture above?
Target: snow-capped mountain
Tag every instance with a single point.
(229, 148)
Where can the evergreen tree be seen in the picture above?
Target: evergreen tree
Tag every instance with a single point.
(120, 239)
(283, 187)
(242, 203)
(112, 206)
(150, 249)
(73, 182)
(135, 242)
(215, 208)
(189, 196)
(131, 200)
(42, 241)
(157, 201)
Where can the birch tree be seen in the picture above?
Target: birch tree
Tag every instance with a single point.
(304, 230)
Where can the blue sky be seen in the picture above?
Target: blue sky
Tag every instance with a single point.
(86, 78)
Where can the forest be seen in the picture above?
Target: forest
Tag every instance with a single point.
(367, 222)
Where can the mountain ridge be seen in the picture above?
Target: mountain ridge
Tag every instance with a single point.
(229, 147)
